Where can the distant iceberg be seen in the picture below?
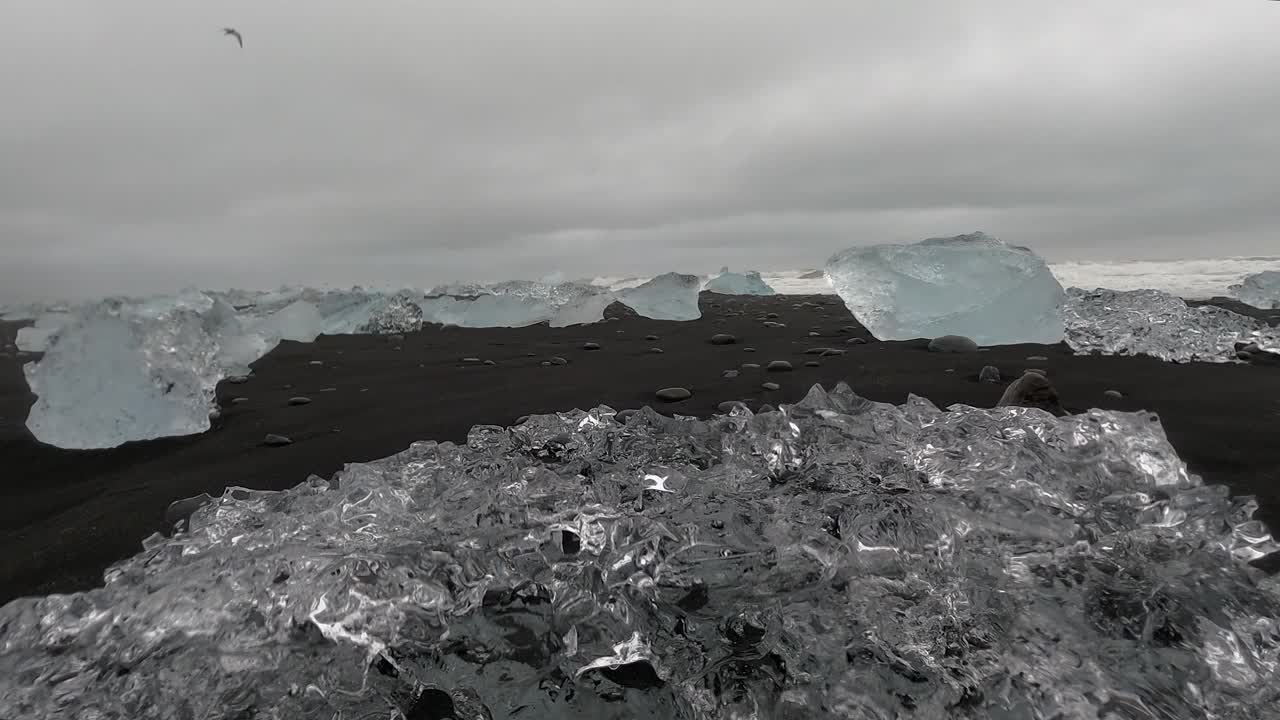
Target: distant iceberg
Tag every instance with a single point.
(972, 285)
(745, 283)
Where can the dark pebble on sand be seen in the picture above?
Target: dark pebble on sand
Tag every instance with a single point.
(723, 339)
(779, 366)
(239, 400)
(772, 324)
(651, 338)
(750, 366)
(855, 341)
(531, 354)
(490, 362)
(824, 351)
(1037, 358)
(1114, 394)
(748, 349)
(815, 334)
(729, 374)
(300, 400)
(470, 360)
(557, 360)
(772, 316)
(952, 344)
(989, 374)
(591, 346)
(316, 362)
(273, 440)
(545, 363)
(771, 386)
(673, 394)
(655, 350)
(813, 363)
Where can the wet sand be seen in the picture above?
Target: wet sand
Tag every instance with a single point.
(66, 515)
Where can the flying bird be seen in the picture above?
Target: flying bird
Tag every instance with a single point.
(235, 34)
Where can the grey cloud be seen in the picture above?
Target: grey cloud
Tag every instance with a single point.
(422, 142)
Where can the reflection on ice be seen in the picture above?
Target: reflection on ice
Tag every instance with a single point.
(838, 558)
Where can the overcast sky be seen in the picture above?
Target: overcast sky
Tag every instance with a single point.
(420, 141)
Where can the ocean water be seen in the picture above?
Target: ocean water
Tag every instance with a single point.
(1189, 279)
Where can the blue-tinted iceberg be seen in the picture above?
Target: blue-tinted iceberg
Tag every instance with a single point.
(971, 285)
(517, 303)
(731, 283)
(671, 296)
(136, 369)
(839, 558)
(1261, 290)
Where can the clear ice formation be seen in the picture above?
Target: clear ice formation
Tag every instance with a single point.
(972, 285)
(1261, 290)
(747, 283)
(1151, 322)
(671, 296)
(517, 303)
(838, 558)
(127, 369)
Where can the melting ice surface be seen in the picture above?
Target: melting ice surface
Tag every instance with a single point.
(1259, 290)
(671, 296)
(972, 285)
(838, 558)
(731, 283)
(1154, 323)
(518, 303)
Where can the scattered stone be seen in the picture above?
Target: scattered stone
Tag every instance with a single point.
(849, 329)
(273, 440)
(1244, 355)
(750, 366)
(531, 354)
(989, 374)
(748, 349)
(655, 350)
(823, 351)
(1032, 390)
(239, 400)
(772, 324)
(812, 363)
(286, 387)
(591, 346)
(300, 400)
(772, 316)
(557, 360)
(397, 348)
(651, 338)
(490, 362)
(673, 394)
(855, 341)
(1037, 358)
(771, 386)
(779, 366)
(1114, 394)
(316, 362)
(469, 360)
(723, 339)
(545, 363)
(814, 334)
(952, 344)
(729, 374)
(949, 370)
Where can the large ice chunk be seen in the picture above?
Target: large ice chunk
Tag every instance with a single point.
(972, 285)
(671, 296)
(746, 283)
(1260, 290)
(1155, 323)
(833, 558)
(136, 369)
(517, 303)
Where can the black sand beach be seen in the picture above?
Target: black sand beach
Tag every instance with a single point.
(66, 515)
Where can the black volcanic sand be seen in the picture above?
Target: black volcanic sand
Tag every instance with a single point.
(66, 515)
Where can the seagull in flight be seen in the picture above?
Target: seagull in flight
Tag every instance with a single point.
(235, 34)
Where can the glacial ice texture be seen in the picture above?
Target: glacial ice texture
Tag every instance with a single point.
(128, 369)
(972, 285)
(731, 283)
(517, 303)
(671, 296)
(1150, 322)
(1260, 290)
(838, 558)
